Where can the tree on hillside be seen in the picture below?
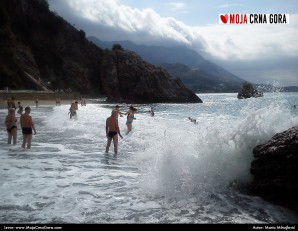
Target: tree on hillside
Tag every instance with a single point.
(117, 47)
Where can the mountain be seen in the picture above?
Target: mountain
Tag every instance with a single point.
(195, 72)
(291, 89)
(201, 81)
(42, 51)
(157, 54)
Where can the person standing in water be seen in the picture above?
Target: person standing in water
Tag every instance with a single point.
(20, 110)
(27, 127)
(13, 103)
(11, 127)
(112, 131)
(58, 103)
(36, 102)
(73, 109)
(117, 109)
(151, 111)
(130, 118)
(8, 103)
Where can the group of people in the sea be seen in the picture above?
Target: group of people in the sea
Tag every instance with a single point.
(28, 128)
(112, 124)
(74, 106)
(26, 123)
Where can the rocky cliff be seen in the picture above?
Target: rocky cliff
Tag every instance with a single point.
(127, 77)
(275, 169)
(41, 51)
(197, 73)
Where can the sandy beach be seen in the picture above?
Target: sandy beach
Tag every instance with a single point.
(31, 103)
(44, 98)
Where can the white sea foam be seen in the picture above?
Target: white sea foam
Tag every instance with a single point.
(185, 159)
(168, 169)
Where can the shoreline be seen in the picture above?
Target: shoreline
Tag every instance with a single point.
(27, 98)
(31, 103)
(32, 95)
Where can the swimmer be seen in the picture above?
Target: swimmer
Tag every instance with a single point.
(193, 120)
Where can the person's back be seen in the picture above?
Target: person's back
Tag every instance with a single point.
(112, 131)
(27, 127)
(112, 124)
(26, 120)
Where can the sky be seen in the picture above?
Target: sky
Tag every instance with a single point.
(259, 53)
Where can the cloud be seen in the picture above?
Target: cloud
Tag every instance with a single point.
(131, 20)
(252, 42)
(177, 6)
(110, 20)
(229, 5)
(246, 42)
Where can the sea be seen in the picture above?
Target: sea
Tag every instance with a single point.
(169, 170)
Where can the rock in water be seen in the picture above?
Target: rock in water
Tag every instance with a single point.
(275, 169)
(248, 91)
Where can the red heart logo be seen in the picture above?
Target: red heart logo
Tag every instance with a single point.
(224, 18)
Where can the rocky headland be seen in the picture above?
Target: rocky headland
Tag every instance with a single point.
(42, 51)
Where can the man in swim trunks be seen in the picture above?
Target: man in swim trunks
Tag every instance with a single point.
(27, 127)
(11, 127)
(112, 131)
